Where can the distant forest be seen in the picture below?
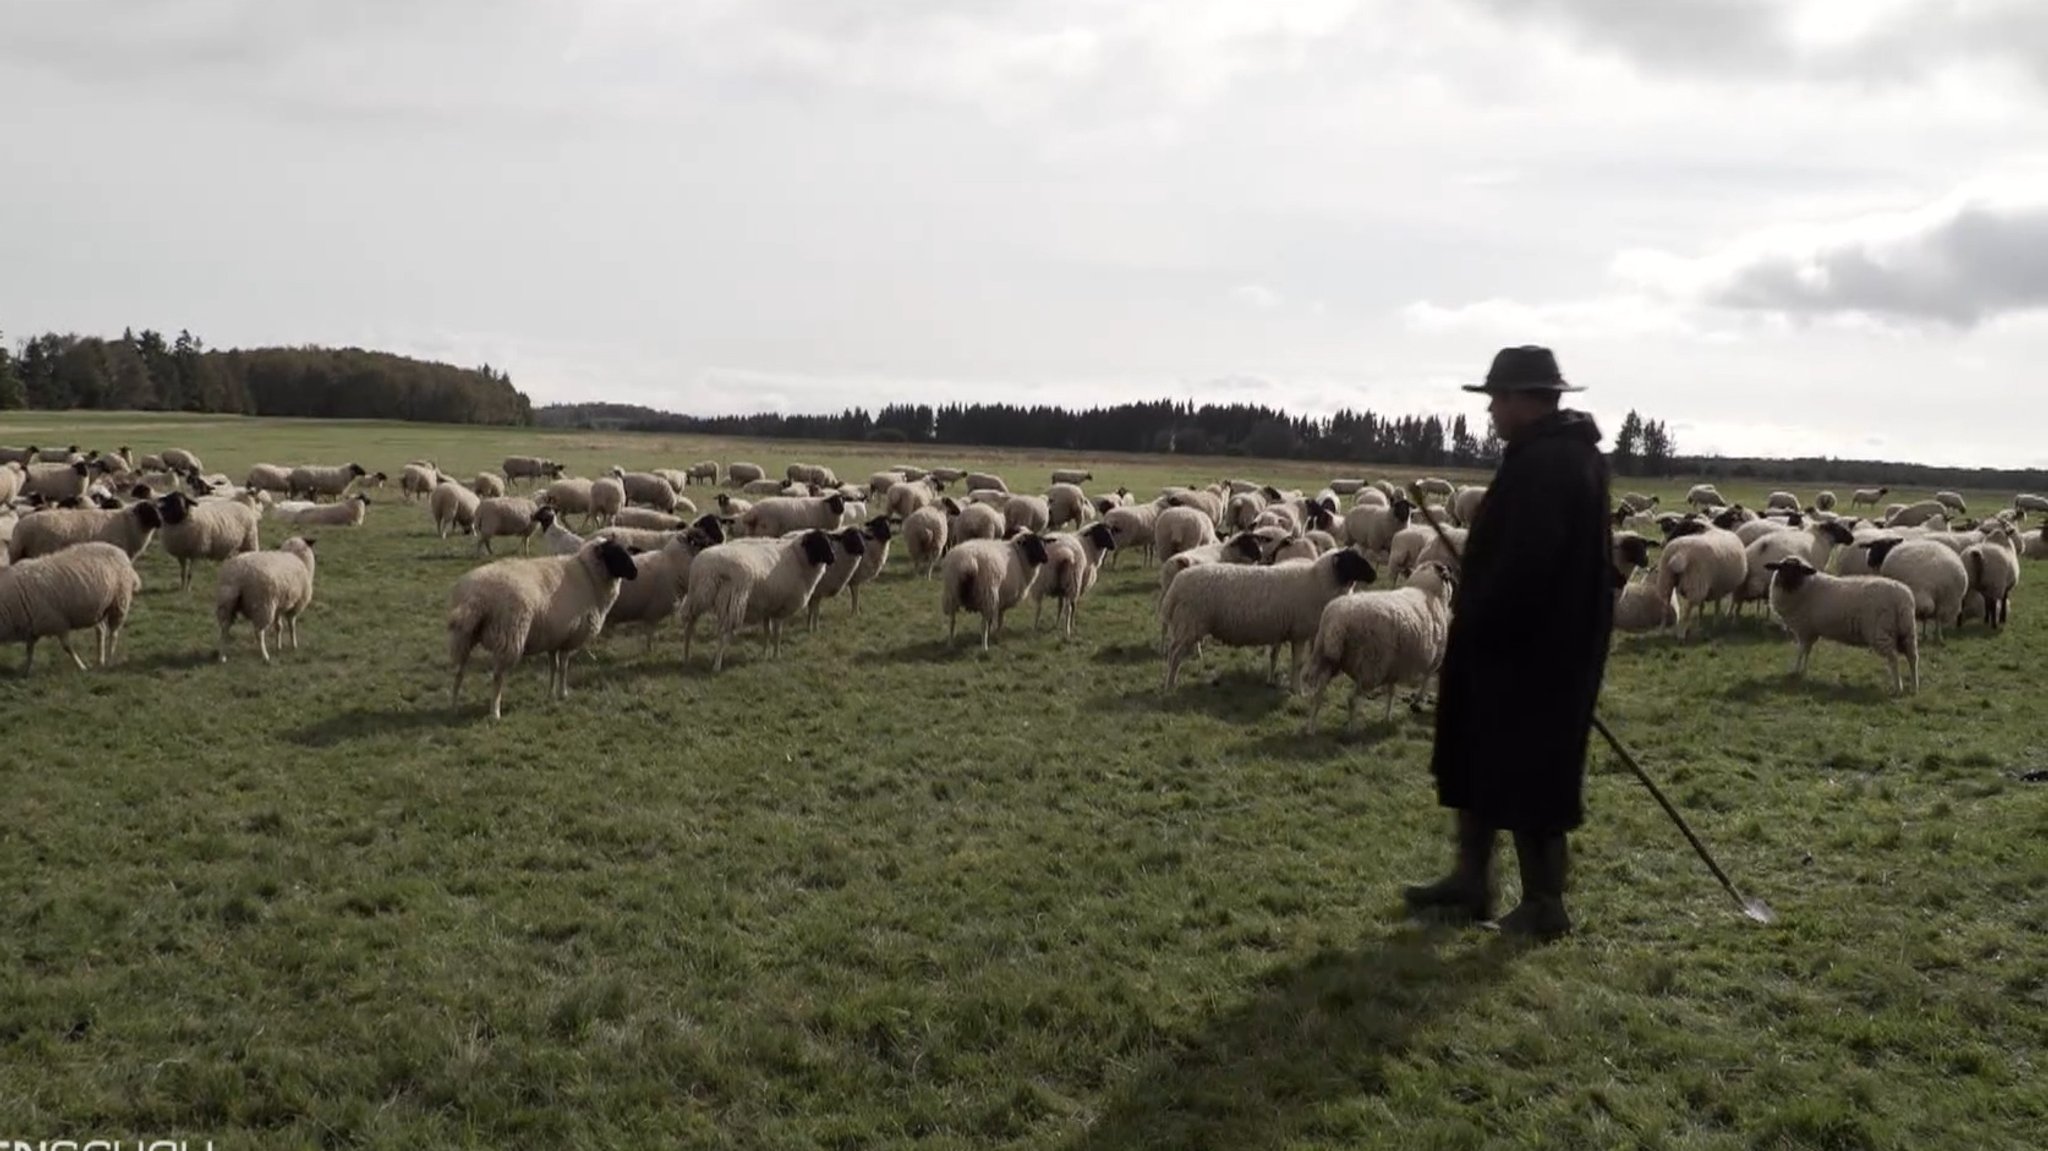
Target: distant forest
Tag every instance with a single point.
(147, 372)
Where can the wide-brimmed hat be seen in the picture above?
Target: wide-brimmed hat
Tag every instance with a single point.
(1525, 369)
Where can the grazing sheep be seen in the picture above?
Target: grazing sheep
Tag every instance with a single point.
(637, 539)
(1637, 503)
(985, 481)
(12, 475)
(1371, 497)
(978, 522)
(1442, 489)
(501, 516)
(732, 507)
(269, 478)
(1209, 503)
(1029, 513)
(879, 483)
(1381, 639)
(49, 532)
(655, 594)
(1935, 573)
(1705, 496)
(740, 474)
(1916, 514)
(1072, 561)
(23, 456)
(1465, 505)
(452, 506)
(213, 530)
(1435, 551)
(488, 485)
(947, 475)
(533, 468)
(925, 536)
(309, 481)
(2025, 502)
(1824, 502)
(1862, 611)
(706, 470)
(648, 519)
(778, 516)
(1638, 607)
(1243, 509)
(646, 489)
(768, 487)
(518, 607)
(180, 460)
(745, 581)
(1781, 501)
(1994, 570)
(989, 577)
(1178, 528)
(346, 514)
(811, 474)
(2034, 544)
(1870, 496)
(269, 589)
(1132, 527)
(57, 482)
(1701, 564)
(571, 496)
(91, 584)
(1072, 476)
(1952, 502)
(1066, 504)
(417, 479)
(907, 496)
(1243, 606)
(608, 498)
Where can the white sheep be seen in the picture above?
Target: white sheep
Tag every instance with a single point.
(269, 589)
(985, 481)
(1863, 611)
(989, 577)
(706, 470)
(1132, 527)
(1072, 476)
(1953, 502)
(742, 473)
(488, 485)
(1702, 565)
(49, 532)
(91, 584)
(978, 522)
(1465, 505)
(417, 479)
(2026, 502)
(570, 496)
(777, 516)
(518, 607)
(849, 547)
(1916, 514)
(269, 478)
(2034, 544)
(746, 581)
(535, 468)
(1825, 502)
(1206, 501)
(1372, 527)
(655, 594)
(1181, 527)
(555, 538)
(452, 506)
(180, 460)
(925, 536)
(989, 496)
(1705, 496)
(1381, 639)
(57, 482)
(310, 481)
(732, 507)
(879, 531)
(1781, 501)
(1066, 504)
(348, 513)
(1255, 606)
(1994, 570)
(503, 516)
(1442, 489)
(1760, 558)
(646, 489)
(608, 497)
(648, 519)
(1072, 562)
(907, 496)
(211, 530)
(1933, 570)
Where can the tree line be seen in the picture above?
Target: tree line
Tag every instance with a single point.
(146, 372)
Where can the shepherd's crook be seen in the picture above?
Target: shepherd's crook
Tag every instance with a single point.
(1756, 909)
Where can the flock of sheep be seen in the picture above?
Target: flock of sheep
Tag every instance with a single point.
(1240, 564)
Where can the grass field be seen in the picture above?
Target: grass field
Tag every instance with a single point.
(887, 893)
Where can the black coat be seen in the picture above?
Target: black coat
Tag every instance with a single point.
(1529, 634)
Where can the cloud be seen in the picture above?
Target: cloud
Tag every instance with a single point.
(1256, 296)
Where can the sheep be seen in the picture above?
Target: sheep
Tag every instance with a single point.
(1916, 514)
(1405, 551)
(1031, 513)
(570, 496)
(1781, 501)
(348, 513)
(535, 468)
(57, 482)
(1346, 487)
(925, 535)
(812, 474)
(309, 481)
(706, 470)
(1132, 527)
(417, 479)
(989, 577)
(1381, 639)
(1465, 505)
(656, 592)
(452, 506)
(1209, 503)
(732, 507)
(23, 456)
(180, 460)
(854, 513)
(46, 533)
(1864, 611)
(849, 548)
(214, 530)
(1255, 606)
(1705, 496)
(269, 589)
(764, 581)
(500, 516)
(1436, 551)
(608, 497)
(768, 487)
(2034, 544)
(1372, 529)
(1178, 528)
(742, 473)
(1701, 564)
(1065, 504)
(907, 496)
(648, 519)
(1934, 572)
(873, 557)
(1072, 476)
(269, 478)
(637, 539)
(1434, 486)
(92, 584)
(556, 538)
(978, 522)
(777, 516)
(1870, 496)
(518, 607)
(646, 489)
(1638, 607)
(1952, 502)
(879, 483)
(1373, 498)
(12, 476)
(1994, 570)
(1637, 503)
(1825, 502)
(985, 481)
(1243, 510)
(2026, 502)
(1760, 556)
(488, 485)
(675, 478)
(1072, 561)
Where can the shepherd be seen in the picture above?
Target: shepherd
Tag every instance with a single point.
(1526, 653)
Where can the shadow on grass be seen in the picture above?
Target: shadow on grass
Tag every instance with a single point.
(1231, 693)
(187, 660)
(967, 643)
(365, 722)
(1783, 687)
(1317, 1032)
(1128, 653)
(1333, 739)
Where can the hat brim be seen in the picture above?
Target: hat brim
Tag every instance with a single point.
(1539, 388)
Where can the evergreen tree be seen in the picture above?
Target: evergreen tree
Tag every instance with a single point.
(12, 394)
(1658, 449)
(1628, 444)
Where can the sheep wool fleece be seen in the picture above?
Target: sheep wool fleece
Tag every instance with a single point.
(1529, 633)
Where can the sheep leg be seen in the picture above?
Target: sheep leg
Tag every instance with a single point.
(1799, 660)
(1315, 707)
(1294, 654)
(1891, 664)
(1175, 653)
(853, 599)
(292, 622)
(28, 662)
(499, 671)
(184, 575)
(724, 641)
(64, 641)
(988, 626)
(222, 648)
(263, 640)
(1393, 689)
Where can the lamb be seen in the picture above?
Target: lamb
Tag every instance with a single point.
(309, 481)
(1178, 528)
(1132, 528)
(452, 506)
(1381, 639)
(346, 514)
(1870, 496)
(1065, 504)
(1705, 496)
(655, 594)
(500, 516)
(1256, 606)
(1994, 570)
(269, 589)
(925, 535)
(1864, 611)
(989, 577)
(46, 533)
(978, 522)
(608, 498)
(533, 468)
(57, 482)
(1072, 560)
(1701, 564)
(646, 489)
(1934, 572)
(214, 530)
(269, 478)
(706, 470)
(518, 607)
(985, 481)
(1952, 502)
(764, 581)
(488, 485)
(1465, 505)
(417, 479)
(92, 584)
(778, 516)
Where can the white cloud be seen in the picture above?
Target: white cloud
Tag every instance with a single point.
(1257, 296)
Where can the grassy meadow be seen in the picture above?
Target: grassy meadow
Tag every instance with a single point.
(889, 893)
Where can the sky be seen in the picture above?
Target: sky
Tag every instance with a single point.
(1791, 227)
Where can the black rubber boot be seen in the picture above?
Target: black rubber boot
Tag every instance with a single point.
(1467, 892)
(1541, 914)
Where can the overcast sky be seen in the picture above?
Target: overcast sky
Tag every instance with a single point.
(1784, 227)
